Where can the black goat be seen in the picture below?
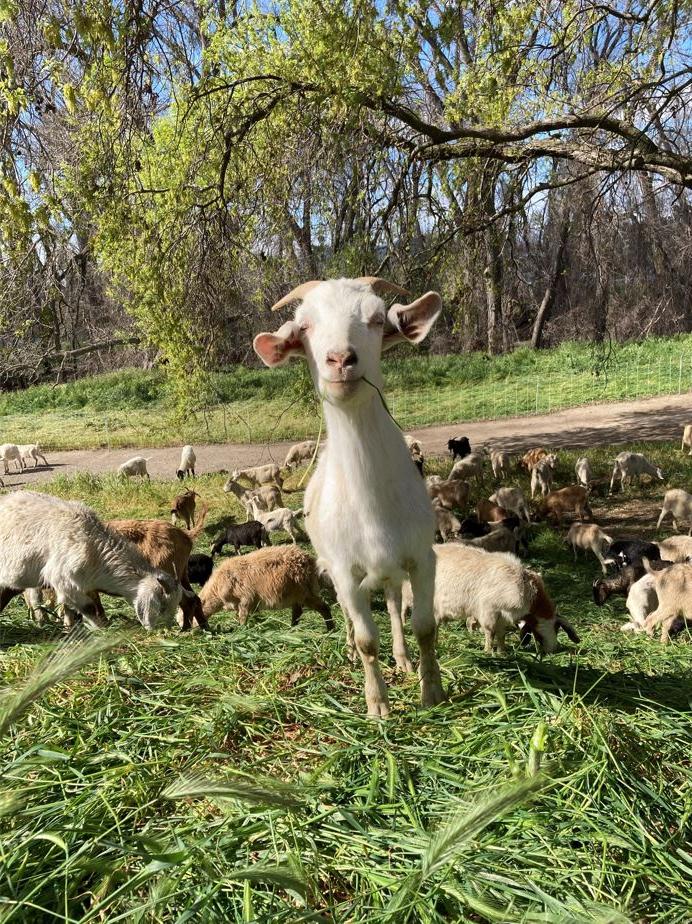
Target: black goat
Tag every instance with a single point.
(459, 447)
(620, 583)
(199, 568)
(251, 533)
(630, 552)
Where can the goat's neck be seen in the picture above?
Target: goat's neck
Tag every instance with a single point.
(120, 573)
(364, 438)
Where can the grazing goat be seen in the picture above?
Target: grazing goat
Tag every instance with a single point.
(678, 505)
(266, 497)
(367, 511)
(9, 452)
(183, 508)
(495, 591)
(499, 539)
(187, 463)
(623, 552)
(500, 462)
(451, 494)
(269, 579)
(31, 451)
(459, 447)
(542, 475)
(39, 601)
(529, 459)
(582, 468)
(49, 542)
(571, 500)
(629, 465)
(447, 526)
(687, 438)
(589, 536)
(488, 512)
(673, 588)
(199, 568)
(239, 534)
(135, 466)
(512, 499)
(300, 452)
(260, 474)
(468, 467)
(675, 548)
(641, 601)
(604, 588)
(167, 548)
(283, 519)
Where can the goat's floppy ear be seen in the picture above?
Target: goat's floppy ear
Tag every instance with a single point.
(276, 349)
(411, 322)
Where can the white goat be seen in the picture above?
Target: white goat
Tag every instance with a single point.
(493, 590)
(300, 452)
(49, 542)
(500, 462)
(687, 438)
(629, 465)
(367, 511)
(542, 475)
(260, 474)
(9, 452)
(582, 468)
(282, 519)
(641, 601)
(676, 548)
(674, 591)
(512, 499)
(135, 466)
(469, 467)
(31, 451)
(589, 536)
(187, 463)
(678, 505)
(266, 497)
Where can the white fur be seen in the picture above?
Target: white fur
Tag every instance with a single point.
(678, 505)
(187, 461)
(676, 548)
(687, 438)
(135, 466)
(674, 591)
(260, 474)
(281, 519)
(31, 451)
(641, 600)
(470, 466)
(512, 499)
(629, 465)
(366, 508)
(542, 475)
(500, 462)
(582, 468)
(46, 541)
(300, 452)
(9, 452)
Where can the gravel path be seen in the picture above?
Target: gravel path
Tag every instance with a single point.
(593, 425)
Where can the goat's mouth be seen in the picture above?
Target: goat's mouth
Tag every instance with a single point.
(341, 389)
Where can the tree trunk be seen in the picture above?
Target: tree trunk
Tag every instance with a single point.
(548, 301)
(493, 270)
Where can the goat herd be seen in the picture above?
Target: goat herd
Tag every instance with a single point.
(369, 511)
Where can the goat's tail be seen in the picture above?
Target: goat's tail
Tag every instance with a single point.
(199, 525)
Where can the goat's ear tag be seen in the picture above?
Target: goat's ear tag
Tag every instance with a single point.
(412, 322)
(276, 349)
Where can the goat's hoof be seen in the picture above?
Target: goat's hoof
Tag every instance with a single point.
(403, 664)
(432, 694)
(378, 710)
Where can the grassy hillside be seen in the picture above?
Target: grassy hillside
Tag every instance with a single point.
(135, 408)
(326, 815)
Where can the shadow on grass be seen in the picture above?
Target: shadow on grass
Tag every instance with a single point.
(626, 690)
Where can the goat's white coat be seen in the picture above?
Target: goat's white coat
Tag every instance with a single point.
(300, 452)
(629, 465)
(9, 452)
(676, 548)
(31, 451)
(187, 460)
(281, 519)
(589, 536)
(366, 508)
(678, 505)
(500, 462)
(583, 471)
(135, 466)
(47, 541)
(512, 499)
(260, 474)
(641, 601)
(687, 438)
(542, 475)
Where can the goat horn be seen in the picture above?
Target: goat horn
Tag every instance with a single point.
(381, 286)
(297, 294)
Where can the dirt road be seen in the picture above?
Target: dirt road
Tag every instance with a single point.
(592, 425)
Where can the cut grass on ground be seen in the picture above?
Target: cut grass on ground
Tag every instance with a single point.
(232, 776)
(135, 408)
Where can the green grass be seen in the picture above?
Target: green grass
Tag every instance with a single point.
(135, 408)
(233, 776)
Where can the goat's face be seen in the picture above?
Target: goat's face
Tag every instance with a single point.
(158, 597)
(341, 328)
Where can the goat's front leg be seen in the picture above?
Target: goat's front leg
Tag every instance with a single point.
(399, 649)
(423, 624)
(356, 604)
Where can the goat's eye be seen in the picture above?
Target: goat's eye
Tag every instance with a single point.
(305, 325)
(377, 321)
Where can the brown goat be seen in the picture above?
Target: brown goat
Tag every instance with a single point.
(183, 508)
(487, 512)
(529, 459)
(450, 495)
(168, 548)
(273, 578)
(572, 500)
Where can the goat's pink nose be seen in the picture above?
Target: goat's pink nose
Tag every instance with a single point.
(342, 360)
